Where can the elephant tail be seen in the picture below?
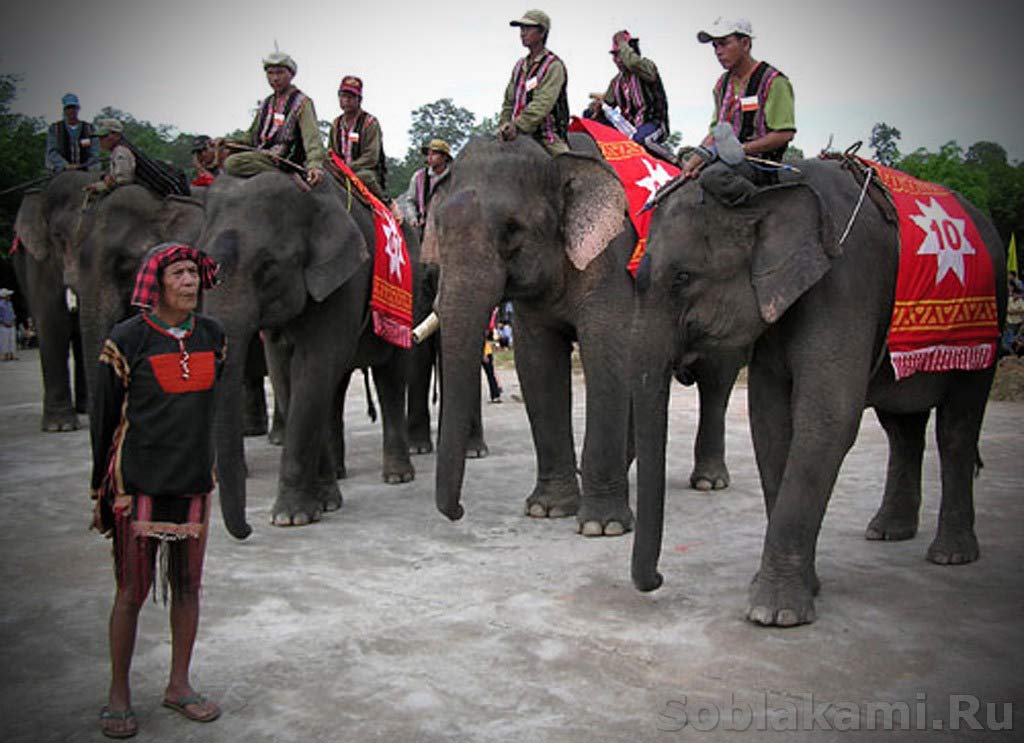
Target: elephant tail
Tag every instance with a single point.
(371, 409)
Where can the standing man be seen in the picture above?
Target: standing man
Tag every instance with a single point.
(153, 460)
(638, 93)
(535, 99)
(121, 171)
(752, 97)
(285, 127)
(416, 200)
(8, 334)
(357, 139)
(71, 144)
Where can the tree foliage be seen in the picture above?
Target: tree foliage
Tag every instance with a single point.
(883, 142)
(441, 119)
(22, 150)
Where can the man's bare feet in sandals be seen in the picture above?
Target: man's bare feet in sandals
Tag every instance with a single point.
(193, 706)
(118, 723)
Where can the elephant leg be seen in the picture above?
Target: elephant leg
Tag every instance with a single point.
(957, 427)
(543, 363)
(327, 474)
(390, 381)
(823, 428)
(604, 508)
(78, 359)
(338, 426)
(897, 516)
(476, 446)
(278, 354)
(255, 394)
(715, 379)
(421, 367)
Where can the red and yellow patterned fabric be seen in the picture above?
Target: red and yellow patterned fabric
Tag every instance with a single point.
(641, 174)
(945, 312)
(391, 297)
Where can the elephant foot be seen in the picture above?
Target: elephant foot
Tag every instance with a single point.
(710, 475)
(340, 473)
(330, 497)
(293, 508)
(276, 436)
(398, 470)
(420, 446)
(476, 448)
(954, 548)
(782, 603)
(553, 499)
(294, 516)
(59, 422)
(604, 517)
(890, 527)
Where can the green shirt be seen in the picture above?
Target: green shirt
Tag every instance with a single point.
(369, 143)
(642, 67)
(779, 108)
(308, 129)
(545, 96)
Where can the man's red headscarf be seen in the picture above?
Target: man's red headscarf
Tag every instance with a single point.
(147, 280)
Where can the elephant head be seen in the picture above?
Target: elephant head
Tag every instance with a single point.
(510, 222)
(279, 249)
(723, 263)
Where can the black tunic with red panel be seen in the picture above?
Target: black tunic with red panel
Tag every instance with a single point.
(152, 416)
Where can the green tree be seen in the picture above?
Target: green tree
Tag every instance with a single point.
(441, 119)
(883, 142)
(947, 168)
(22, 152)
(161, 141)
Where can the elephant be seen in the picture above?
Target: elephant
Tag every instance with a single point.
(424, 359)
(548, 233)
(46, 224)
(733, 266)
(296, 262)
(96, 251)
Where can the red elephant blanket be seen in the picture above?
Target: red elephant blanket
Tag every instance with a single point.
(641, 174)
(945, 312)
(391, 297)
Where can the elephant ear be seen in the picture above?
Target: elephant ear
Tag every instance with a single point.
(30, 225)
(337, 247)
(593, 206)
(430, 248)
(789, 255)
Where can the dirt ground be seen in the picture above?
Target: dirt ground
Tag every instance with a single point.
(385, 622)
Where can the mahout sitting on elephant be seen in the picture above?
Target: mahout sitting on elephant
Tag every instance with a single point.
(298, 263)
(776, 270)
(511, 222)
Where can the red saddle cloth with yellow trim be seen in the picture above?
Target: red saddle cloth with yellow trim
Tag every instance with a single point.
(641, 174)
(391, 297)
(945, 312)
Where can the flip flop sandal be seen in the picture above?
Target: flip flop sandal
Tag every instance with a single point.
(181, 705)
(107, 714)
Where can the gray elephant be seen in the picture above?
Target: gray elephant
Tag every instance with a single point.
(94, 250)
(771, 271)
(298, 263)
(547, 233)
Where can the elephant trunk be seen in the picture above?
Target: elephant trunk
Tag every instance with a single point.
(651, 379)
(229, 429)
(464, 308)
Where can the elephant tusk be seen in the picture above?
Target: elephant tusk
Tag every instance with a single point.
(426, 328)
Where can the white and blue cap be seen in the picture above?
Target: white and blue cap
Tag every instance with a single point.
(723, 27)
(69, 99)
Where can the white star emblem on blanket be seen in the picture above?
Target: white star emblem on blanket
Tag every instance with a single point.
(656, 177)
(945, 238)
(393, 247)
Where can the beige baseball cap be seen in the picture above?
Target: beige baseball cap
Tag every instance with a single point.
(723, 27)
(533, 18)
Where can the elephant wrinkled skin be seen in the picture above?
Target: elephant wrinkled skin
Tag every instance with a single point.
(769, 272)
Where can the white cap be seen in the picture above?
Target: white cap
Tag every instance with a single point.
(723, 27)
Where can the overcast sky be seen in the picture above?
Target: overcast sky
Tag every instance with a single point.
(942, 70)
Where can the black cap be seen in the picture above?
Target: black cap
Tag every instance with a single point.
(200, 143)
